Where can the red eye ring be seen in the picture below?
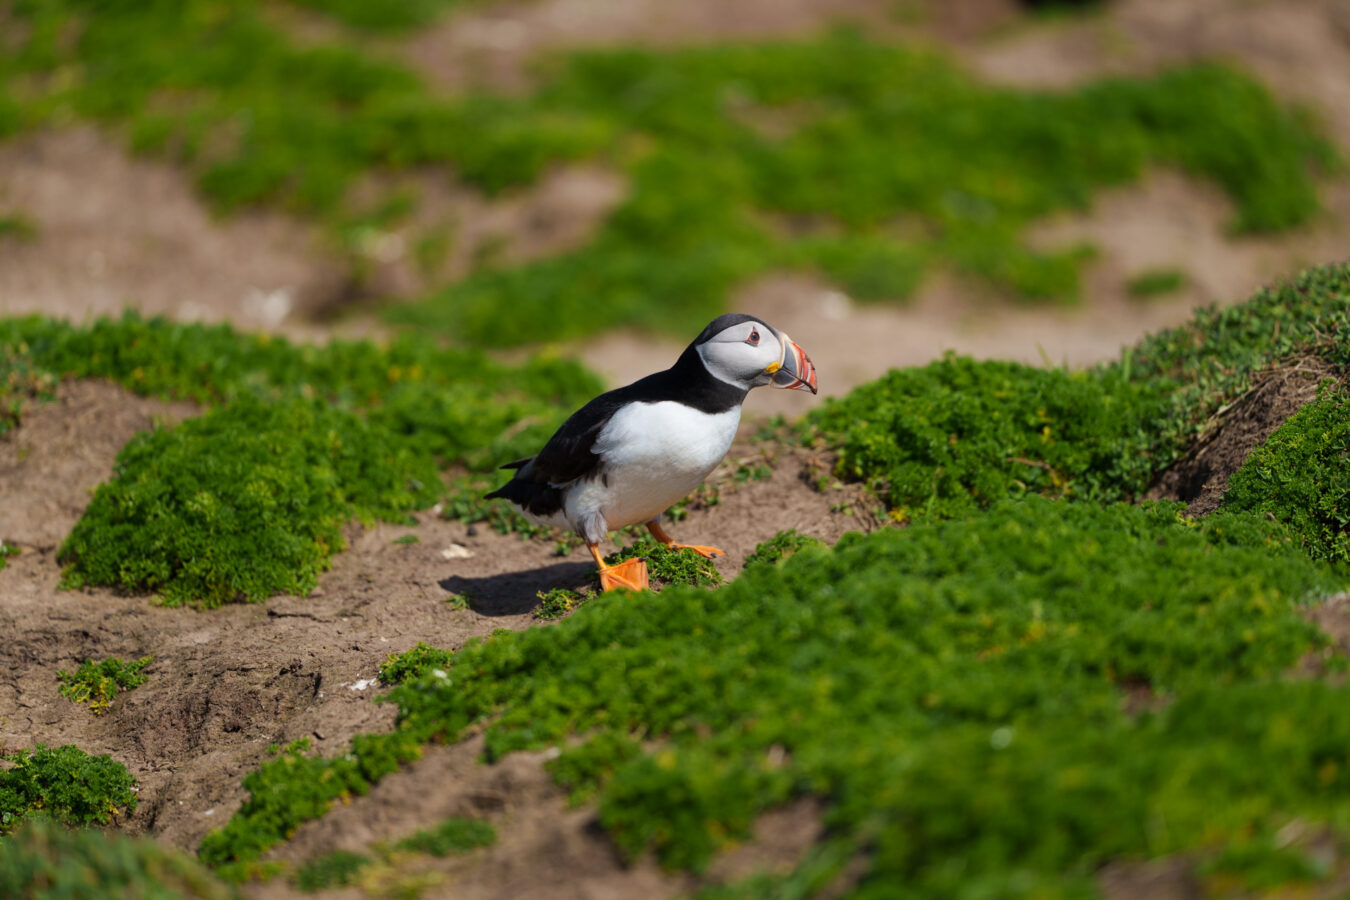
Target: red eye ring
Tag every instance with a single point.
(753, 339)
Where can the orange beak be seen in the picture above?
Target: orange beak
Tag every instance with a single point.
(795, 372)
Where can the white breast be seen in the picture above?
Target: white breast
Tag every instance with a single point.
(652, 455)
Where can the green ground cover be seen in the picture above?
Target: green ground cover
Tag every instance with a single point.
(869, 162)
(959, 692)
(98, 684)
(1001, 697)
(958, 434)
(64, 784)
(44, 861)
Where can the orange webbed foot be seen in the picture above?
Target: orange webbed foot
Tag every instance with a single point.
(701, 550)
(660, 534)
(630, 574)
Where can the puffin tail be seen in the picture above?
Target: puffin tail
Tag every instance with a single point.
(538, 498)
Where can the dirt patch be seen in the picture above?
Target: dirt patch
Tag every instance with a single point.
(227, 683)
(545, 848)
(1201, 476)
(115, 232)
(64, 449)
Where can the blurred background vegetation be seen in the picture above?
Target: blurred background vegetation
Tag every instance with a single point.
(858, 155)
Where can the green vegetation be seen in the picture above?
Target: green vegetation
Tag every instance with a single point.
(294, 788)
(245, 502)
(334, 869)
(414, 663)
(406, 540)
(963, 704)
(65, 784)
(6, 551)
(666, 565)
(17, 227)
(1301, 476)
(837, 154)
(44, 861)
(959, 434)
(98, 683)
(781, 546)
(342, 867)
(249, 499)
(454, 835)
(810, 134)
(557, 602)
(1152, 282)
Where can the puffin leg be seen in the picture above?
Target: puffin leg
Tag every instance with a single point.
(631, 573)
(654, 526)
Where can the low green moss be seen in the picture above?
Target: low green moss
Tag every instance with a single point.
(1152, 282)
(245, 502)
(294, 788)
(667, 565)
(44, 861)
(959, 434)
(414, 663)
(17, 227)
(335, 869)
(962, 702)
(1301, 476)
(557, 602)
(65, 784)
(781, 546)
(97, 684)
(454, 835)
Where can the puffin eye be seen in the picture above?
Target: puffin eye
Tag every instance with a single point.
(753, 339)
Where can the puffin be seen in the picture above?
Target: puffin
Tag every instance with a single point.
(628, 455)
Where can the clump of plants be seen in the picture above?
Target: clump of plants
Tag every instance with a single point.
(783, 545)
(557, 602)
(1155, 282)
(64, 784)
(245, 502)
(1301, 476)
(454, 835)
(342, 867)
(6, 551)
(336, 869)
(41, 860)
(414, 663)
(295, 787)
(958, 434)
(667, 565)
(97, 684)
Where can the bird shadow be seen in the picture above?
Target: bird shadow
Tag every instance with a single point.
(516, 593)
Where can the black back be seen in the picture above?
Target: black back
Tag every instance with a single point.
(569, 455)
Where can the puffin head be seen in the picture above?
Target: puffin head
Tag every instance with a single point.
(748, 353)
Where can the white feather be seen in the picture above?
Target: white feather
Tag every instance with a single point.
(651, 456)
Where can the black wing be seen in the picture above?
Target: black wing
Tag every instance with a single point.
(566, 457)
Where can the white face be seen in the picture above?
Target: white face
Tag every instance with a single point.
(743, 354)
